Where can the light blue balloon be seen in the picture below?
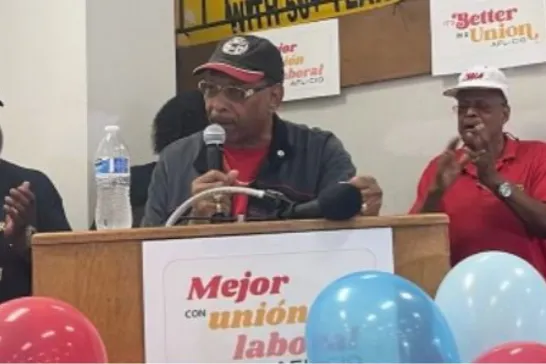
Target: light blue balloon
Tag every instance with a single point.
(492, 298)
(377, 317)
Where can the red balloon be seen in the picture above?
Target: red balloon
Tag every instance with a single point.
(515, 352)
(45, 330)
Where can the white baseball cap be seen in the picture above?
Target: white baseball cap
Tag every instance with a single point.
(480, 77)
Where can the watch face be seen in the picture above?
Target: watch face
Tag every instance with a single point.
(505, 190)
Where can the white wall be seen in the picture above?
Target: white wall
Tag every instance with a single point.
(43, 85)
(131, 71)
(392, 129)
(64, 64)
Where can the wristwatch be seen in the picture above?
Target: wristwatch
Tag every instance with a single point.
(505, 190)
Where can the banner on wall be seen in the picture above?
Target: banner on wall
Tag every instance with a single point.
(498, 33)
(258, 15)
(246, 298)
(311, 58)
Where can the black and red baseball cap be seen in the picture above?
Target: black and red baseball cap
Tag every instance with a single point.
(247, 58)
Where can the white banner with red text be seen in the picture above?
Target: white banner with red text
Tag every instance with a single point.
(496, 33)
(245, 298)
(311, 58)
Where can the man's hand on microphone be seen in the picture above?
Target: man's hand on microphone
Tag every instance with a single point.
(207, 207)
(372, 195)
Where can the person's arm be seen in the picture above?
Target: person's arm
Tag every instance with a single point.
(529, 206)
(432, 201)
(17, 245)
(20, 245)
(429, 198)
(50, 214)
(156, 209)
(336, 166)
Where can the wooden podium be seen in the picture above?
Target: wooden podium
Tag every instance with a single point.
(100, 273)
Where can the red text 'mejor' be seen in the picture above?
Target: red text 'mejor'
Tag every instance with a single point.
(236, 288)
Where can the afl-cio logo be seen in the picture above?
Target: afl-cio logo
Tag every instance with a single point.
(235, 46)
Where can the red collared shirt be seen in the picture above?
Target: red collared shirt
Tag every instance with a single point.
(479, 220)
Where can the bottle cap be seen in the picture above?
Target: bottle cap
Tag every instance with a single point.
(111, 128)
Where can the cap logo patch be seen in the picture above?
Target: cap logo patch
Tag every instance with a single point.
(235, 46)
(473, 76)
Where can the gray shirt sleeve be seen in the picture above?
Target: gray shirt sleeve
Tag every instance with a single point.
(337, 165)
(156, 210)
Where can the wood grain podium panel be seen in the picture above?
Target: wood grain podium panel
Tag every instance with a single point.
(100, 272)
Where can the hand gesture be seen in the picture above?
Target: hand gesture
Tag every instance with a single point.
(478, 147)
(20, 210)
(449, 166)
(372, 195)
(208, 206)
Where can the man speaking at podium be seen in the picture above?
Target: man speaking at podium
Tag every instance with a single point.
(242, 84)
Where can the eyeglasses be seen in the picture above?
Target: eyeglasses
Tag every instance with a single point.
(481, 107)
(233, 93)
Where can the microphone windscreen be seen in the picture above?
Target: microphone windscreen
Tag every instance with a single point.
(341, 201)
(214, 134)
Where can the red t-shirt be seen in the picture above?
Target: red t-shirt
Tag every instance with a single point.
(247, 162)
(479, 220)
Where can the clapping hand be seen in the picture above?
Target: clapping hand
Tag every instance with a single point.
(20, 210)
(450, 165)
(478, 147)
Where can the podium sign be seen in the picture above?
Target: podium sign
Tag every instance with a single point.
(245, 298)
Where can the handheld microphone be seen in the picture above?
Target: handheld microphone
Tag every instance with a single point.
(214, 137)
(341, 201)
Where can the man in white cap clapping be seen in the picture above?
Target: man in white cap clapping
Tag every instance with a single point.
(492, 185)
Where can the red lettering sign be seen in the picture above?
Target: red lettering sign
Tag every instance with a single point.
(239, 289)
(473, 76)
(465, 20)
(287, 48)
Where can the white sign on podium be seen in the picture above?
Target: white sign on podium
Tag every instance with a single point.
(245, 298)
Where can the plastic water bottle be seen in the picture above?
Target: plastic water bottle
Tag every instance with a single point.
(113, 181)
